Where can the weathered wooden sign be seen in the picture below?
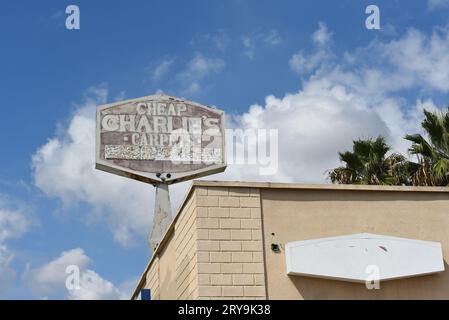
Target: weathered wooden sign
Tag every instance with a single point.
(160, 138)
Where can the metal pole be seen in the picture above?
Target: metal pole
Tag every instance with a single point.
(162, 215)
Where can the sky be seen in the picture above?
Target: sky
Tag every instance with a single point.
(311, 70)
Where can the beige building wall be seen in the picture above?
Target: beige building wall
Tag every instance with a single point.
(294, 215)
(172, 273)
(152, 278)
(185, 275)
(230, 254)
(219, 244)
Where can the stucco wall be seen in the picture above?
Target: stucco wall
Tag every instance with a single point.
(293, 215)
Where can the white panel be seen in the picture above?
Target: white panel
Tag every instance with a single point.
(348, 257)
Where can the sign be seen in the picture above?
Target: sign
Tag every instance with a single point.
(160, 139)
(363, 257)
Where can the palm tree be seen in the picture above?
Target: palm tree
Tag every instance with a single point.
(368, 164)
(432, 168)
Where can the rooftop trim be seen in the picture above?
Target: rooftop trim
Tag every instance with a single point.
(351, 187)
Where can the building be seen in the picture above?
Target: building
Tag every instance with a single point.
(228, 239)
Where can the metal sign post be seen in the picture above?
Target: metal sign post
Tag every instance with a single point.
(162, 214)
(160, 140)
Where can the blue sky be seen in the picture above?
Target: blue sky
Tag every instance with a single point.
(308, 68)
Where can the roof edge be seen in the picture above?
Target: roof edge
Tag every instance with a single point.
(350, 187)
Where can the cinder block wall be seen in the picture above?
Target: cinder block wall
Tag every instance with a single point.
(230, 248)
(215, 249)
(186, 272)
(152, 279)
(173, 272)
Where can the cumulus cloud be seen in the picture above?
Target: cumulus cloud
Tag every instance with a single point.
(249, 47)
(313, 125)
(340, 100)
(7, 273)
(344, 100)
(322, 36)
(161, 69)
(50, 279)
(422, 58)
(211, 41)
(94, 287)
(198, 68)
(14, 222)
(316, 123)
(303, 63)
(271, 38)
(64, 167)
(415, 60)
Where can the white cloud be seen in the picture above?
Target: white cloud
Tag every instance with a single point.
(303, 63)
(7, 273)
(161, 69)
(249, 47)
(250, 42)
(211, 41)
(322, 36)
(355, 98)
(416, 60)
(318, 122)
(347, 100)
(64, 167)
(14, 222)
(314, 124)
(422, 58)
(50, 279)
(437, 4)
(198, 69)
(273, 38)
(94, 287)
(120, 96)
